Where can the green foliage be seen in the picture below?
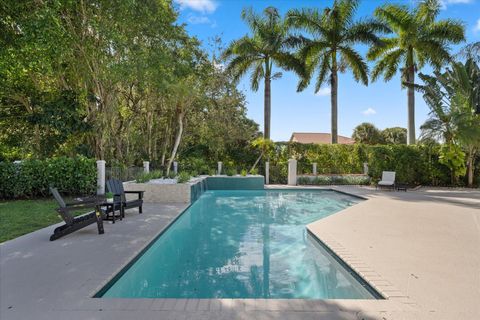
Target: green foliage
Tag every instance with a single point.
(243, 172)
(367, 133)
(183, 177)
(109, 195)
(334, 180)
(147, 176)
(395, 135)
(454, 158)
(32, 178)
(230, 171)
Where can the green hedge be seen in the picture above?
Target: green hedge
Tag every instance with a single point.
(32, 178)
(417, 164)
(334, 179)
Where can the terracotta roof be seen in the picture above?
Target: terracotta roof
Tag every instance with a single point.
(322, 138)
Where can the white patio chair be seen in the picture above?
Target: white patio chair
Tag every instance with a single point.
(388, 180)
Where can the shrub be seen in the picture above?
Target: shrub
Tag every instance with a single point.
(337, 180)
(183, 177)
(32, 178)
(145, 177)
(229, 171)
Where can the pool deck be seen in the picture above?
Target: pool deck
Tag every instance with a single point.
(419, 248)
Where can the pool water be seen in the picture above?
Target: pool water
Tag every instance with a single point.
(244, 244)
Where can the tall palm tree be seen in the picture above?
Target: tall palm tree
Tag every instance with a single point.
(267, 46)
(419, 39)
(330, 48)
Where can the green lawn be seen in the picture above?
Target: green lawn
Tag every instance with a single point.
(18, 217)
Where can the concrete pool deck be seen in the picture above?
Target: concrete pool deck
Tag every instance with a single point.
(421, 248)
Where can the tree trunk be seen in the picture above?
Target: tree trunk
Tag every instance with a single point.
(411, 106)
(334, 103)
(178, 138)
(267, 102)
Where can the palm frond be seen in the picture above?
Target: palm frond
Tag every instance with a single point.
(356, 63)
(397, 17)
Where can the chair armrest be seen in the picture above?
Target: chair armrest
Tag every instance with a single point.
(140, 193)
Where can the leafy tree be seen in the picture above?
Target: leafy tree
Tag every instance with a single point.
(330, 50)
(259, 53)
(451, 96)
(419, 39)
(367, 133)
(395, 135)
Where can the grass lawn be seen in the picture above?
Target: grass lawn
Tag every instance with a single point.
(18, 217)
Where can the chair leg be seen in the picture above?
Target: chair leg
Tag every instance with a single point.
(140, 210)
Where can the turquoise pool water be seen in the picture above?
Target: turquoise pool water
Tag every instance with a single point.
(244, 244)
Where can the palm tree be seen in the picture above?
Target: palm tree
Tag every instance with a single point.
(419, 39)
(268, 46)
(367, 133)
(330, 50)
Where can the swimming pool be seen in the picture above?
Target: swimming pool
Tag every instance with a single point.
(244, 244)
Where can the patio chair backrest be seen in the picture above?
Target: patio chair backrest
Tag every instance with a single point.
(115, 186)
(58, 197)
(388, 176)
(62, 211)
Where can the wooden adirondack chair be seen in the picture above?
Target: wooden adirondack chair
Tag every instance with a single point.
(115, 186)
(75, 223)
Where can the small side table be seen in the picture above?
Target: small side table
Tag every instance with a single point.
(401, 187)
(110, 208)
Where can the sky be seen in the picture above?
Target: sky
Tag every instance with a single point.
(383, 104)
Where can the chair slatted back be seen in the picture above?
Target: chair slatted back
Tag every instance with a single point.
(66, 216)
(388, 176)
(115, 186)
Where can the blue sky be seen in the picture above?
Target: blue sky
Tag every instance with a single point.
(384, 104)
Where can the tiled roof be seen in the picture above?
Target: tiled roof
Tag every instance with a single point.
(322, 138)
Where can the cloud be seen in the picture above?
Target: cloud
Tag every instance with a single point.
(323, 92)
(198, 19)
(445, 3)
(204, 6)
(369, 112)
(477, 26)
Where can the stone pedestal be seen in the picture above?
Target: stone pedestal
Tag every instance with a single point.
(219, 168)
(101, 177)
(314, 168)
(292, 172)
(267, 172)
(175, 167)
(146, 166)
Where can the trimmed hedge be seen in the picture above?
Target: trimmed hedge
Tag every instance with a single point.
(414, 165)
(334, 179)
(32, 178)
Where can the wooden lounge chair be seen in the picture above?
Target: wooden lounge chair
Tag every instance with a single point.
(116, 187)
(75, 223)
(388, 180)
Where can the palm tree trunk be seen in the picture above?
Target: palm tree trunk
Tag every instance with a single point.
(411, 106)
(333, 98)
(470, 166)
(267, 102)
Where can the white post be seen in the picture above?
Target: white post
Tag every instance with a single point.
(175, 167)
(292, 172)
(146, 166)
(219, 168)
(365, 168)
(314, 169)
(101, 177)
(267, 172)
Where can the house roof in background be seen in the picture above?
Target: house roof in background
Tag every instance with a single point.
(318, 137)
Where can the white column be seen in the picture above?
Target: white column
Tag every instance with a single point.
(292, 172)
(314, 169)
(365, 168)
(219, 168)
(175, 167)
(101, 177)
(267, 172)
(146, 166)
